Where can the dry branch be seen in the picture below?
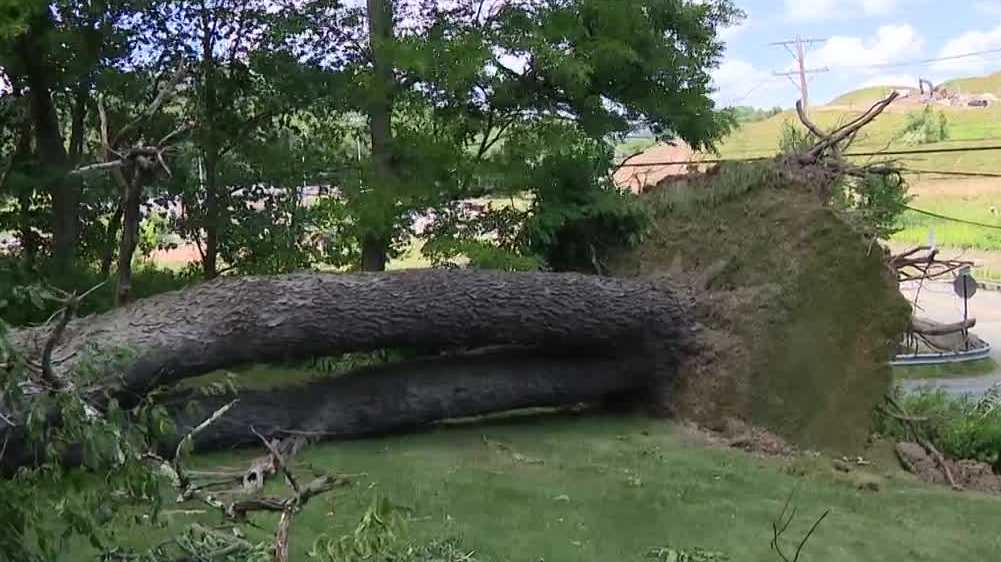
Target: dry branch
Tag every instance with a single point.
(817, 131)
(923, 263)
(898, 412)
(830, 141)
(781, 524)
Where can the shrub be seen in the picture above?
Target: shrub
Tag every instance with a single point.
(925, 127)
(961, 427)
(19, 307)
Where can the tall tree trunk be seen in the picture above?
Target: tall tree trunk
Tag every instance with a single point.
(64, 190)
(375, 246)
(374, 253)
(210, 151)
(210, 267)
(81, 97)
(111, 239)
(131, 203)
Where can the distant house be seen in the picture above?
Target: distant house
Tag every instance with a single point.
(645, 170)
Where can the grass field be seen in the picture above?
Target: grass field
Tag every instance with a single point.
(951, 370)
(916, 226)
(608, 489)
(968, 128)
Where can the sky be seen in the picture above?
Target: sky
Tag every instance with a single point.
(864, 43)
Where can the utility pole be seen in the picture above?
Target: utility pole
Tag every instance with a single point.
(797, 48)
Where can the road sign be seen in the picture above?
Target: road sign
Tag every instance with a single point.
(965, 285)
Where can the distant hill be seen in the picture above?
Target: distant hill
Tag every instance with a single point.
(867, 95)
(990, 84)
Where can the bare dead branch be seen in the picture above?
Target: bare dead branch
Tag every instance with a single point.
(182, 480)
(831, 140)
(279, 461)
(781, 524)
(805, 120)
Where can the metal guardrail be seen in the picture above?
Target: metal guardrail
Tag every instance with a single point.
(912, 359)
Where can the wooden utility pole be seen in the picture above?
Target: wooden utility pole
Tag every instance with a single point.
(797, 48)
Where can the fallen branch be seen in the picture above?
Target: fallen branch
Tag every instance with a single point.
(908, 421)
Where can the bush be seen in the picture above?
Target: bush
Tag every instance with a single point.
(20, 307)
(925, 127)
(961, 427)
(582, 233)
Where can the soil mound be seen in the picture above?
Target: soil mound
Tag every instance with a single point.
(798, 313)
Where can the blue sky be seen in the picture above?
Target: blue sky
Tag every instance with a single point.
(866, 42)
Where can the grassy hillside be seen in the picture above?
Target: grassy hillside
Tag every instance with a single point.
(601, 489)
(864, 95)
(981, 84)
(968, 128)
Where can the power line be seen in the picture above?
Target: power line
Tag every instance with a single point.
(953, 173)
(921, 62)
(926, 151)
(952, 219)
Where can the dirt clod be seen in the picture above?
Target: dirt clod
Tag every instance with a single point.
(969, 474)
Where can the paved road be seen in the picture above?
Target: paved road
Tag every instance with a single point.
(937, 301)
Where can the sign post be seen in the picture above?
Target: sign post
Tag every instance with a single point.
(965, 286)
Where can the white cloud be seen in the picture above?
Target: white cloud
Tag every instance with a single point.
(738, 82)
(970, 42)
(823, 9)
(891, 80)
(892, 43)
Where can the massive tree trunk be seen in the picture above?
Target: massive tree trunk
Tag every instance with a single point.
(374, 246)
(233, 321)
(408, 395)
(592, 336)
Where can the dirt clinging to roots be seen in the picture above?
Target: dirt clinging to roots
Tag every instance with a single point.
(797, 313)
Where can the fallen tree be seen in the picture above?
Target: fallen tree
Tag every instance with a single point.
(408, 395)
(593, 336)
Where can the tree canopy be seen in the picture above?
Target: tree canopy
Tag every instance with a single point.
(266, 137)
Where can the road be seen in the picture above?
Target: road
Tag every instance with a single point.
(937, 301)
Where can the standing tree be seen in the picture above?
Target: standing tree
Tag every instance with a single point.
(457, 93)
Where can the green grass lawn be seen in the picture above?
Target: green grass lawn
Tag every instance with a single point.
(608, 489)
(951, 370)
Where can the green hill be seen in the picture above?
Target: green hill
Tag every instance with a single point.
(866, 95)
(967, 128)
(990, 84)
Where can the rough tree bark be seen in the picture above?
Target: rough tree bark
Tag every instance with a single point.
(409, 395)
(594, 336)
(233, 321)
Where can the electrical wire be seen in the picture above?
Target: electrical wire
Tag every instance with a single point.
(952, 219)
